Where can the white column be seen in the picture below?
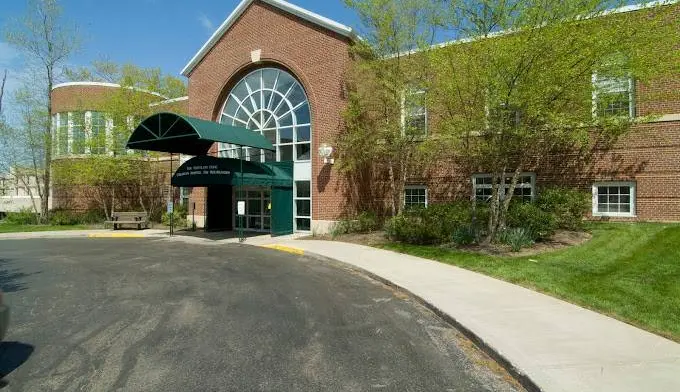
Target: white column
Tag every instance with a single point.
(69, 149)
(110, 143)
(88, 131)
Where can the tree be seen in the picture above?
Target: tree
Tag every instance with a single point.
(380, 145)
(129, 75)
(2, 89)
(522, 88)
(47, 42)
(517, 84)
(112, 176)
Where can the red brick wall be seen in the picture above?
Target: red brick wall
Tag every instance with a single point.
(648, 155)
(83, 98)
(77, 98)
(93, 97)
(317, 57)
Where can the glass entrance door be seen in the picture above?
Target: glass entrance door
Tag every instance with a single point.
(258, 211)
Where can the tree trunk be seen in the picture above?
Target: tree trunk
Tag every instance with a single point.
(47, 140)
(496, 184)
(508, 198)
(2, 89)
(393, 204)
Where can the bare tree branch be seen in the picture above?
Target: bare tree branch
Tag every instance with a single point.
(2, 89)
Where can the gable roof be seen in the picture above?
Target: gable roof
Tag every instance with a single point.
(280, 4)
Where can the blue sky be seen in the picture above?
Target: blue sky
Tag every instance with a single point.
(148, 33)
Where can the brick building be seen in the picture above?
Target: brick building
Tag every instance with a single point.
(278, 69)
(83, 128)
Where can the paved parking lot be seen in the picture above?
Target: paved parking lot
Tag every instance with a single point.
(157, 315)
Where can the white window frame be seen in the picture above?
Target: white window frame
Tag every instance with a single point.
(633, 199)
(410, 187)
(256, 97)
(504, 186)
(405, 115)
(296, 216)
(613, 85)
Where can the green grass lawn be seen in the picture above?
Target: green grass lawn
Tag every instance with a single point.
(630, 271)
(11, 228)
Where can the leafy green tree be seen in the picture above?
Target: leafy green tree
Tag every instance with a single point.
(112, 176)
(378, 138)
(521, 88)
(47, 41)
(23, 145)
(523, 80)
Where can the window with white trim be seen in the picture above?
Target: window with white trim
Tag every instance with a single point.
(414, 113)
(613, 96)
(79, 137)
(614, 199)
(62, 134)
(415, 195)
(272, 102)
(97, 133)
(184, 193)
(303, 205)
(482, 185)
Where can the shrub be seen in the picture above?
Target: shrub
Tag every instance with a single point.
(464, 235)
(179, 219)
(539, 223)
(567, 205)
(435, 224)
(92, 216)
(516, 237)
(25, 216)
(411, 229)
(365, 222)
(63, 218)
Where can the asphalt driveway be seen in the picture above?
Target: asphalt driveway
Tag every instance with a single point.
(158, 315)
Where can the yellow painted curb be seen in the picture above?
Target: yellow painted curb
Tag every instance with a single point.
(283, 248)
(115, 235)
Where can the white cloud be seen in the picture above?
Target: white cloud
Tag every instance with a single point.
(206, 22)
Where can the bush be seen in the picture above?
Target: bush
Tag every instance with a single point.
(435, 224)
(91, 216)
(410, 229)
(539, 223)
(464, 235)
(567, 205)
(179, 219)
(516, 237)
(25, 216)
(365, 222)
(63, 218)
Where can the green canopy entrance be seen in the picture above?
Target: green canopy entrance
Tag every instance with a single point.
(206, 171)
(174, 133)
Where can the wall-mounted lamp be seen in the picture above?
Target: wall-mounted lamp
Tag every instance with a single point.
(325, 152)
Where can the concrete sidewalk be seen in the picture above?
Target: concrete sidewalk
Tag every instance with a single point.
(93, 233)
(557, 345)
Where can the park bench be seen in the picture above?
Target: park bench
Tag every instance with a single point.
(139, 219)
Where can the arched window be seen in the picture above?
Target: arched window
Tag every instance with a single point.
(272, 102)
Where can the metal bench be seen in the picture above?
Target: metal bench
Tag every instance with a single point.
(139, 219)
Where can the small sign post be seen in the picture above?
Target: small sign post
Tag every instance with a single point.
(170, 210)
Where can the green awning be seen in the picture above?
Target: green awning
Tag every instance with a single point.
(206, 170)
(174, 133)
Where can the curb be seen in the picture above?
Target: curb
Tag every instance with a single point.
(283, 248)
(115, 235)
(489, 350)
